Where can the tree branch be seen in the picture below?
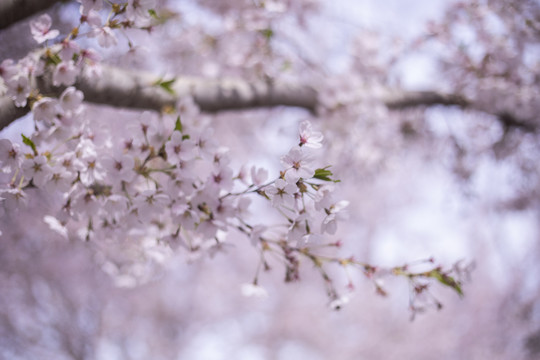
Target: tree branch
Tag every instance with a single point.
(12, 11)
(139, 90)
(402, 100)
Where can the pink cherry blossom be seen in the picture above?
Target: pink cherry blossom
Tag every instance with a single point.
(18, 89)
(105, 36)
(253, 290)
(335, 214)
(178, 148)
(281, 193)
(258, 175)
(10, 156)
(8, 69)
(119, 168)
(65, 73)
(46, 110)
(88, 5)
(185, 216)
(71, 99)
(37, 169)
(137, 11)
(308, 137)
(41, 29)
(298, 165)
(149, 204)
(69, 48)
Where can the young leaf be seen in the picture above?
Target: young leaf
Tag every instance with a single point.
(446, 280)
(29, 142)
(178, 126)
(324, 174)
(267, 33)
(166, 85)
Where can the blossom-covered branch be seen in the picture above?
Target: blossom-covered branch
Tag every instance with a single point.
(143, 90)
(140, 90)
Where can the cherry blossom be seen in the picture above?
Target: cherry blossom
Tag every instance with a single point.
(14, 199)
(258, 175)
(89, 5)
(37, 169)
(221, 178)
(334, 213)
(149, 204)
(41, 29)
(281, 193)
(119, 168)
(105, 36)
(10, 155)
(308, 137)
(137, 11)
(253, 290)
(65, 73)
(18, 89)
(46, 110)
(8, 69)
(60, 180)
(69, 49)
(257, 233)
(71, 99)
(298, 165)
(185, 216)
(178, 148)
(143, 192)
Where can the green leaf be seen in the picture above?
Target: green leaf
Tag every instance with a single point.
(178, 126)
(267, 33)
(53, 59)
(166, 85)
(447, 281)
(29, 142)
(153, 14)
(324, 174)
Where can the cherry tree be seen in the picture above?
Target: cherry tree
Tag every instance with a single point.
(124, 176)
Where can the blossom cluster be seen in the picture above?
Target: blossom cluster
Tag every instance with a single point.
(160, 184)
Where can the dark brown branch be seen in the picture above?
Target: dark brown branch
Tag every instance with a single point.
(12, 11)
(9, 112)
(138, 90)
(404, 100)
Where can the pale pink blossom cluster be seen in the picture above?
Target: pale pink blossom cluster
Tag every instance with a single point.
(303, 194)
(158, 181)
(161, 184)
